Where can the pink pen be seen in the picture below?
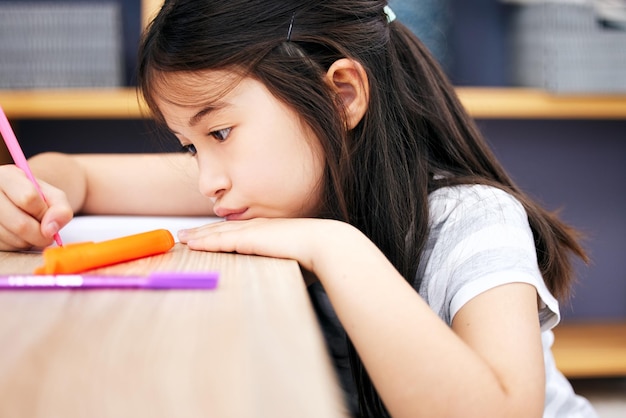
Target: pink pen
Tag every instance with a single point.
(19, 159)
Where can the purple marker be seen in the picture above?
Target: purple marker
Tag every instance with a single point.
(156, 280)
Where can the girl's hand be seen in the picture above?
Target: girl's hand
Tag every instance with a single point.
(304, 240)
(326, 250)
(26, 220)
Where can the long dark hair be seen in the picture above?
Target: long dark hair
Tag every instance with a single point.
(378, 175)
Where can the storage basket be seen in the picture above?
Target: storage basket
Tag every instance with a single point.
(59, 45)
(430, 21)
(565, 47)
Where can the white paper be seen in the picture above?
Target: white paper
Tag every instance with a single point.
(101, 228)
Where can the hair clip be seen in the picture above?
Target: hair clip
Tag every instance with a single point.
(391, 16)
(293, 16)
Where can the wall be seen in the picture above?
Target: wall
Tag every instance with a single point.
(579, 167)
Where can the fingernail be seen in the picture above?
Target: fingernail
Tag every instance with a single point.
(51, 229)
(182, 234)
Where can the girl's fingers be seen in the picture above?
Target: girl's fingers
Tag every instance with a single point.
(16, 187)
(26, 219)
(59, 211)
(11, 242)
(19, 230)
(193, 234)
(222, 236)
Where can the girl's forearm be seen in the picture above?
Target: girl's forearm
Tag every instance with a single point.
(125, 184)
(419, 365)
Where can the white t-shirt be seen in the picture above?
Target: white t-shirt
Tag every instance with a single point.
(479, 239)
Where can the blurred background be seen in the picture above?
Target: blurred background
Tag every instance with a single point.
(568, 48)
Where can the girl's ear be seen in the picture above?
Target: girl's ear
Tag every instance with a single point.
(349, 80)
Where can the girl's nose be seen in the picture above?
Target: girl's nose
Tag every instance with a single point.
(213, 180)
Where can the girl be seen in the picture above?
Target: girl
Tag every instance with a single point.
(324, 132)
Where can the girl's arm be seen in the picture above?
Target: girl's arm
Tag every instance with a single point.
(153, 184)
(489, 365)
(128, 184)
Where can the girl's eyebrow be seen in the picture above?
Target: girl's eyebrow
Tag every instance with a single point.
(205, 111)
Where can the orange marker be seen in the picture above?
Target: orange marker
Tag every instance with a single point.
(76, 258)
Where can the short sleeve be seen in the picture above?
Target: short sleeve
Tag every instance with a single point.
(479, 239)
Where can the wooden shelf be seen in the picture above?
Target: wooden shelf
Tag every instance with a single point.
(120, 103)
(486, 103)
(584, 350)
(520, 103)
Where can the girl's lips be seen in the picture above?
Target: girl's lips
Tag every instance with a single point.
(230, 214)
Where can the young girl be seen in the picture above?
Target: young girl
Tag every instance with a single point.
(324, 132)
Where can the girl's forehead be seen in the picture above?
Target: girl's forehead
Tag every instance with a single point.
(190, 88)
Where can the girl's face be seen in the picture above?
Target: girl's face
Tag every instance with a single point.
(255, 156)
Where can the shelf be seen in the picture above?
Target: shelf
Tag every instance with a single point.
(521, 103)
(585, 350)
(120, 103)
(485, 103)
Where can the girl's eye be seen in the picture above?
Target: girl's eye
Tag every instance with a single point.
(221, 134)
(189, 148)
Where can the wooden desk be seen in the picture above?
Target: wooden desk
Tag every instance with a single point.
(251, 348)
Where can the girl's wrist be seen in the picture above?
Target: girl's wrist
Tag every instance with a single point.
(339, 245)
